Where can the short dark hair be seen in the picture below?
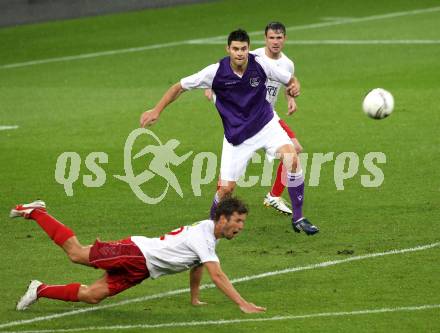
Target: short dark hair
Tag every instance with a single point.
(238, 35)
(228, 206)
(275, 26)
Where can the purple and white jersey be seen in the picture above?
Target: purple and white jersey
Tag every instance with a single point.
(241, 100)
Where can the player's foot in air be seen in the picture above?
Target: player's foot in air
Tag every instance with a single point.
(277, 203)
(24, 210)
(304, 225)
(29, 297)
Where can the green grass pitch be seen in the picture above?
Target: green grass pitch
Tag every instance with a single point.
(92, 104)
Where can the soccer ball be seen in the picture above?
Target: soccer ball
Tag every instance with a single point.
(378, 103)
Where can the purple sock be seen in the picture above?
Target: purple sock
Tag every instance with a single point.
(295, 183)
(214, 207)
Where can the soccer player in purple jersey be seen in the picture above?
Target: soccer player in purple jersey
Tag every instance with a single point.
(275, 37)
(238, 81)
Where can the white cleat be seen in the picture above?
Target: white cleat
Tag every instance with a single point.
(277, 203)
(24, 210)
(30, 296)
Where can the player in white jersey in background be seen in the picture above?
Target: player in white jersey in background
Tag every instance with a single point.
(129, 261)
(275, 36)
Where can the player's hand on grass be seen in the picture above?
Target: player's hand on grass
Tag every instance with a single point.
(197, 302)
(251, 308)
(149, 118)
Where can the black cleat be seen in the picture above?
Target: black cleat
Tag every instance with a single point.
(304, 225)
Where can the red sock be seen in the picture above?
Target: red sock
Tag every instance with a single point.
(278, 186)
(57, 231)
(67, 292)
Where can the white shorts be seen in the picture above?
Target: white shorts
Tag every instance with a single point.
(235, 158)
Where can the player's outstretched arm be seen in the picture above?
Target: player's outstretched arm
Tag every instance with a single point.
(195, 277)
(222, 282)
(151, 116)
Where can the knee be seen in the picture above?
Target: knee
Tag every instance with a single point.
(78, 257)
(92, 296)
(291, 161)
(74, 257)
(94, 300)
(297, 146)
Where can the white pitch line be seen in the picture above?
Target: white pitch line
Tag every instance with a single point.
(238, 321)
(366, 18)
(349, 20)
(339, 42)
(253, 33)
(93, 55)
(336, 18)
(5, 128)
(365, 42)
(209, 286)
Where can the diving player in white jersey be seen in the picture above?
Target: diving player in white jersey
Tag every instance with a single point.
(129, 261)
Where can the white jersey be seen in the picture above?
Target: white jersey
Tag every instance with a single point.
(272, 86)
(180, 249)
